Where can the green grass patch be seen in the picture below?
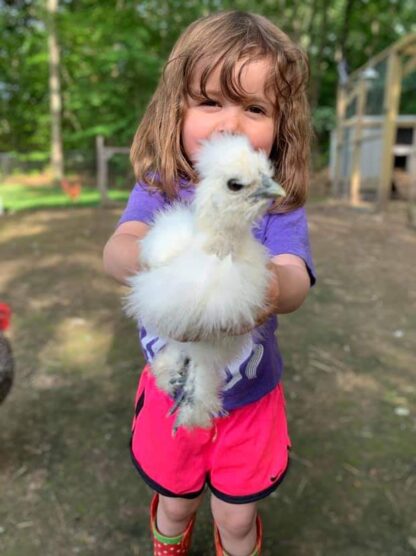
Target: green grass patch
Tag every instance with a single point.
(17, 197)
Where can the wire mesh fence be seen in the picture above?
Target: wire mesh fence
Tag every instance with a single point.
(76, 163)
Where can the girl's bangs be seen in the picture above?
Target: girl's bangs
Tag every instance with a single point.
(230, 80)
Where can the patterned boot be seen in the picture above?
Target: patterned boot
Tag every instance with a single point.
(169, 546)
(219, 551)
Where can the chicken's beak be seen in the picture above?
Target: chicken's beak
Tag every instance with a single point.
(269, 189)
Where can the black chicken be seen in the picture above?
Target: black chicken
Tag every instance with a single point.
(6, 355)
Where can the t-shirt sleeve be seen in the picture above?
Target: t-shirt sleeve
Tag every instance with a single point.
(142, 205)
(287, 233)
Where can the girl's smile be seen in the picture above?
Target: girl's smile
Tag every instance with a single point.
(253, 115)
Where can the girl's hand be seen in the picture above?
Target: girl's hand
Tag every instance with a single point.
(272, 300)
(272, 296)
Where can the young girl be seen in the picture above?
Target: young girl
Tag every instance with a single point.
(230, 72)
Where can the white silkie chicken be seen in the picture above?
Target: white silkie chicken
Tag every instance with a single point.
(204, 276)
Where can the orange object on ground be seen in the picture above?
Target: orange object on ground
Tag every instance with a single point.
(71, 188)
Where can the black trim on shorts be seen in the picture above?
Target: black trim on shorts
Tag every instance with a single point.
(148, 480)
(139, 405)
(250, 497)
(155, 486)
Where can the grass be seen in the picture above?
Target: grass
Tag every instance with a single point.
(15, 197)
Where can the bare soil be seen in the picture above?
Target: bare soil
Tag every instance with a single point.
(67, 485)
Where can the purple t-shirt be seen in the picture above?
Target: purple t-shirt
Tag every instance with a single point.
(259, 369)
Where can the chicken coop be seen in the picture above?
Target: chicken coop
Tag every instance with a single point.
(373, 148)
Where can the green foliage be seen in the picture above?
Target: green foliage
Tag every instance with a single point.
(33, 156)
(323, 118)
(23, 79)
(110, 68)
(408, 96)
(112, 55)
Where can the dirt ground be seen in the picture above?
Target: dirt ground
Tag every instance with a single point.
(67, 485)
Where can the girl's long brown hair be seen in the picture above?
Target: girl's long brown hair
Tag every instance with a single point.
(224, 39)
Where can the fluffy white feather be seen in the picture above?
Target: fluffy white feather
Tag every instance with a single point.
(171, 234)
(205, 275)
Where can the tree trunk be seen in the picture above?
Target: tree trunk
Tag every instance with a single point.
(316, 80)
(55, 94)
(345, 30)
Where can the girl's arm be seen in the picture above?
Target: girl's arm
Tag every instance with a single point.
(121, 253)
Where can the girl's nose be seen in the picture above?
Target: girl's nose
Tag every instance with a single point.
(229, 123)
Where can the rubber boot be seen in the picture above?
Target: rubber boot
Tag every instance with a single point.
(219, 551)
(169, 546)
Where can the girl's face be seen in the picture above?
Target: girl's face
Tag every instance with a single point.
(253, 117)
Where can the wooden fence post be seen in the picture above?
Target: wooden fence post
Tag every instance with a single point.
(390, 110)
(103, 156)
(339, 142)
(355, 184)
(412, 187)
(102, 174)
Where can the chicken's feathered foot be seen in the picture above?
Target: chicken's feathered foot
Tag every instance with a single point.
(186, 390)
(195, 390)
(178, 380)
(169, 367)
(196, 403)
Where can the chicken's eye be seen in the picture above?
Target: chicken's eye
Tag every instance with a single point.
(234, 185)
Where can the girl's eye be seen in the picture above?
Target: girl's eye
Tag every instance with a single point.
(209, 102)
(256, 110)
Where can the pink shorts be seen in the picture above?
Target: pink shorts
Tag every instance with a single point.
(243, 457)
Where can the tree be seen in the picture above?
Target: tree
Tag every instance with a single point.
(112, 53)
(55, 93)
